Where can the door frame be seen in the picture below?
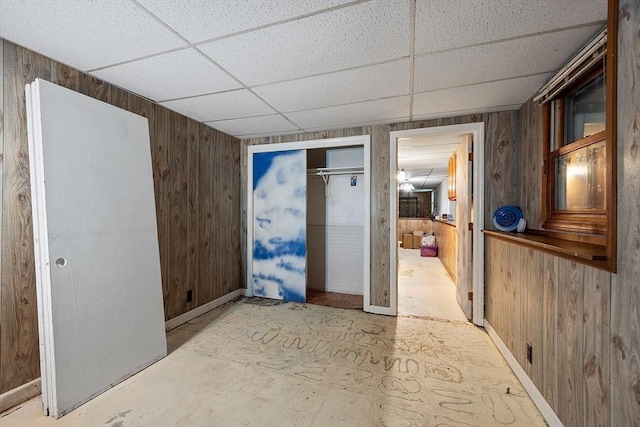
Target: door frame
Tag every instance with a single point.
(352, 141)
(477, 129)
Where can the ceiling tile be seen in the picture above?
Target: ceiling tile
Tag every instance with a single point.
(449, 24)
(492, 96)
(171, 75)
(255, 126)
(85, 34)
(220, 106)
(513, 58)
(360, 84)
(199, 20)
(383, 110)
(344, 38)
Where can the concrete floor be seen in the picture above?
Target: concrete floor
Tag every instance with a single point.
(425, 289)
(259, 362)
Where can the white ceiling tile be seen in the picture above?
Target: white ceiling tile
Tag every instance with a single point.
(85, 34)
(336, 40)
(171, 75)
(220, 106)
(198, 20)
(383, 110)
(513, 58)
(449, 24)
(493, 95)
(255, 126)
(360, 84)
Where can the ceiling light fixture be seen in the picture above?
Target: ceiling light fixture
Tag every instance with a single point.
(406, 186)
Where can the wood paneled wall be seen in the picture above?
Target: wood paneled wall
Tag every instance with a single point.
(561, 308)
(625, 298)
(501, 135)
(196, 178)
(584, 322)
(409, 225)
(447, 241)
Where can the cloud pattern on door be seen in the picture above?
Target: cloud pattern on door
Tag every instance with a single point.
(279, 209)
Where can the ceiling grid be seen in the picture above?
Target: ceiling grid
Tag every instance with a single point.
(261, 68)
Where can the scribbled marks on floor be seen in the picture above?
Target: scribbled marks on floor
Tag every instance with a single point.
(414, 371)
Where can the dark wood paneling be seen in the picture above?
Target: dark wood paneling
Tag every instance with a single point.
(530, 163)
(625, 324)
(161, 154)
(193, 207)
(206, 224)
(95, 88)
(65, 76)
(178, 211)
(176, 174)
(19, 357)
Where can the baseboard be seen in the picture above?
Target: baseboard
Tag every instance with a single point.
(538, 399)
(20, 394)
(198, 311)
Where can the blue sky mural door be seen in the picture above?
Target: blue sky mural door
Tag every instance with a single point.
(279, 224)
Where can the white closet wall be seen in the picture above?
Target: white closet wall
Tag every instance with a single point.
(344, 224)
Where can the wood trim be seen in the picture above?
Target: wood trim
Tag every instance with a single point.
(580, 143)
(536, 396)
(580, 252)
(612, 133)
(449, 223)
(595, 223)
(20, 394)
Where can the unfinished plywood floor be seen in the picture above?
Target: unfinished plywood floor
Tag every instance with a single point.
(425, 289)
(292, 364)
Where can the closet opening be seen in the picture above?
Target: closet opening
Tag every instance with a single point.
(308, 222)
(335, 226)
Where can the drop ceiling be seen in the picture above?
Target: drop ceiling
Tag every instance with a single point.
(258, 68)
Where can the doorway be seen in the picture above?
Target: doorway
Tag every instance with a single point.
(275, 273)
(470, 280)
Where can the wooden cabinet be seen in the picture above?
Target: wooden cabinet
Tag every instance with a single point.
(452, 178)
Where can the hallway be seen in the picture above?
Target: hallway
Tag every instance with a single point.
(269, 363)
(425, 289)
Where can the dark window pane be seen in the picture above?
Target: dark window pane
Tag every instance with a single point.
(584, 111)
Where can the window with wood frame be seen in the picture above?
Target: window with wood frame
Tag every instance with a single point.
(576, 150)
(579, 172)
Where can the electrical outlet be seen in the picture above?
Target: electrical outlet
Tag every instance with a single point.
(189, 295)
(529, 353)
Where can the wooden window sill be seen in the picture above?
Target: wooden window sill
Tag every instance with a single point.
(586, 253)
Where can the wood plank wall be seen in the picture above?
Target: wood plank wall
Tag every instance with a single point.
(196, 177)
(561, 308)
(447, 241)
(502, 131)
(625, 298)
(583, 323)
(409, 225)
